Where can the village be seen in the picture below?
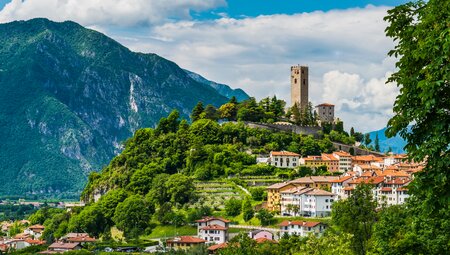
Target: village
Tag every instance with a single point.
(299, 204)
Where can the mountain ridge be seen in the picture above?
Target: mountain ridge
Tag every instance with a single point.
(70, 96)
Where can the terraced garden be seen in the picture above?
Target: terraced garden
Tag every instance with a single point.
(215, 193)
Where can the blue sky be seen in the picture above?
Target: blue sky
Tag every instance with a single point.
(252, 8)
(251, 44)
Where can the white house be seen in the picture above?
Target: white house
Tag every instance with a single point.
(301, 228)
(284, 159)
(394, 159)
(337, 186)
(35, 231)
(213, 230)
(317, 203)
(307, 202)
(345, 160)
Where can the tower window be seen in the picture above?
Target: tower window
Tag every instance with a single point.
(304, 82)
(295, 81)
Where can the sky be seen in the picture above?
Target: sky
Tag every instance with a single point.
(251, 44)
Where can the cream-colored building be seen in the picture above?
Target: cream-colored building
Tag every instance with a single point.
(325, 112)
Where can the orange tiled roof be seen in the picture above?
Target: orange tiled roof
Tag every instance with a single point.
(386, 189)
(329, 157)
(186, 239)
(342, 153)
(207, 219)
(371, 180)
(342, 179)
(217, 246)
(37, 226)
(279, 185)
(284, 153)
(325, 104)
(214, 227)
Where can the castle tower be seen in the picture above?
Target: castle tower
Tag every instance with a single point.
(299, 86)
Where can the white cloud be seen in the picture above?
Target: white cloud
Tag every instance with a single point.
(256, 54)
(106, 12)
(345, 49)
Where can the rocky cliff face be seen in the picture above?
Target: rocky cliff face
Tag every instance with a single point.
(71, 96)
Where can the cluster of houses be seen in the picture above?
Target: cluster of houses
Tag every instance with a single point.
(32, 235)
(314, 195)
(214, 232)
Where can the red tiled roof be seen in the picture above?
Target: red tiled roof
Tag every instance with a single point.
(35, 242)
(329, 157)
(371, 180)
(36, 227)
(284, 153)
(319, 192)
(214, 227)
(186, 239)
(348, 188)
(81, 239)
(278, 185)
(217, 246)
(386, 189)
(207, 219)
(299, 223)
(312, 179)
(342, 179)
(66, 246)
(325, 104)
(342, 153)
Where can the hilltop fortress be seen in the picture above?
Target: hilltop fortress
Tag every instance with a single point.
(299, 94)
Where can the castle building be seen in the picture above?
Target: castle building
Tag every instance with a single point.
(325, 113)
(299, 86)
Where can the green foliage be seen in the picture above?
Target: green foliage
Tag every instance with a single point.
(367, 139)
(15, 212)
(421, 113)
(247, 210)
(90, 220)
(356, 216)
(265, 217)
(258, 193)
(233, 207)
(132, 216)
(377, 143)
(329, 244)
(181, 188)
(197, 111)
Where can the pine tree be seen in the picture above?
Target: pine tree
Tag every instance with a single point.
(377, 143)
(197, 111)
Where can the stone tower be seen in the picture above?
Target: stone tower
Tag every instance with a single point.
(299, 86)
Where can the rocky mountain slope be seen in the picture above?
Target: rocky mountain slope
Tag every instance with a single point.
(69, 98)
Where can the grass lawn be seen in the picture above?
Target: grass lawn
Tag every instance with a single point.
(171, 231)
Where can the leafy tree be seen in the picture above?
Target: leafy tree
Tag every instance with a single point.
(258, 193)
(90, 220)
(265, 217)
(329, 244)
(247, 210)
(228, 111)
(210, 113)
(233, 207)
(132, 216)
(109, 202)
(421, 113)
(352, 131)
(356, 216)
(169, 124)
(197, 111)
(180, 188)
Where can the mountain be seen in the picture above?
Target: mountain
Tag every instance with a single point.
(223, 89)
(396, 143)
(71, 96)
